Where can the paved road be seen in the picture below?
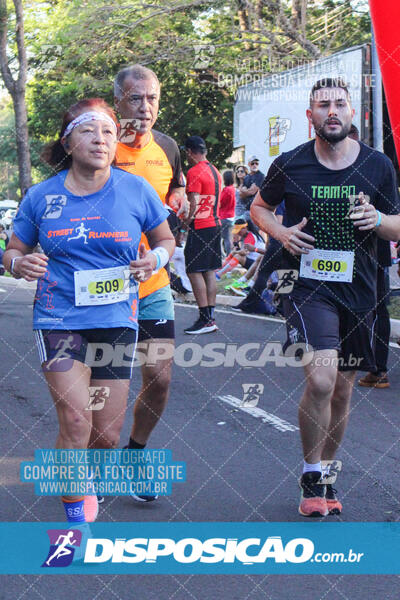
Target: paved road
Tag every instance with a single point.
(242, 465)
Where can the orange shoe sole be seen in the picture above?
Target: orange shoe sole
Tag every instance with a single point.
(313, 507)
(334, 507)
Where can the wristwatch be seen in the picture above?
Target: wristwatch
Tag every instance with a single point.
(12, 266)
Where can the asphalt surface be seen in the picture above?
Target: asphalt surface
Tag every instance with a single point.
(242, 465)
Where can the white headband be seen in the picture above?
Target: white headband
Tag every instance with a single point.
(88, 116)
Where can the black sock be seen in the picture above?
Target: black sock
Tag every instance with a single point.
(132, 445)
(211, 311)
(204, 314)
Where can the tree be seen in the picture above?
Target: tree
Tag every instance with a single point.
(202, 51)
(17, 87)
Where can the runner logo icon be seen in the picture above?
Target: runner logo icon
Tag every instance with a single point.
(62, 550)
(81, 233)
(286, 280)
(54, 206)
(98, 397)
(251, 393)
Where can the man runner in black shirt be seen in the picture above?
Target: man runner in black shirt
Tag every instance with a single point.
(340, 195)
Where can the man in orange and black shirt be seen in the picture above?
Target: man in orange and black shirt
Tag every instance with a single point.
(155, 156)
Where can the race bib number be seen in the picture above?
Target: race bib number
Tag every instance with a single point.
(103, 286)
(327, 265)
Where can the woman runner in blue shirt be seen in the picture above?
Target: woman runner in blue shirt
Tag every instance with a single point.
(88, 220)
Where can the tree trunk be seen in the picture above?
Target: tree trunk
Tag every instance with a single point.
(16, 89)
(243, 20)
(23, 151)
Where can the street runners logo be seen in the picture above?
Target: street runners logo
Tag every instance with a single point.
(85, 234)
(63, 543)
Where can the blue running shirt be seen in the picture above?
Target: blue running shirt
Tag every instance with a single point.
(78, 233)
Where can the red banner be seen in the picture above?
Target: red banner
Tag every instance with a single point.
(386, 22)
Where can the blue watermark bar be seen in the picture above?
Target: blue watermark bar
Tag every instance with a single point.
(204, 548)
(106, 472)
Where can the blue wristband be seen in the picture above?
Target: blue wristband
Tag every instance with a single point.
(158, 261)
(379, 221)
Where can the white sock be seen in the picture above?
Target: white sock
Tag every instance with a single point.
(307, 467)
(242, 278)
(251, 283)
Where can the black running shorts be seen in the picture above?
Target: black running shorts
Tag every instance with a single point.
(203, 250)
(316, 322)
(108, 352)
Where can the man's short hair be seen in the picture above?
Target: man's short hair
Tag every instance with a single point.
(135, 72)
(329, 82)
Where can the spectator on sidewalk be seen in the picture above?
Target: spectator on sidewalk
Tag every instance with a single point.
(240, 173)
(271, 261)
(203, 245)
(251, 184)
(4, 239)
(227, 210)
(251, 246)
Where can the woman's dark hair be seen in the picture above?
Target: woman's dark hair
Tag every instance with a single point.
(54, 153)
(250, 226)
(228, 178)
(237, 180)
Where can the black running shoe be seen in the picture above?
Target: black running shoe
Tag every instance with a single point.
(246, 308)
(142, 497)
(202, 326)
(312, 500)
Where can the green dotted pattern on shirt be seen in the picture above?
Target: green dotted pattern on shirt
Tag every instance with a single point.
(332, 230)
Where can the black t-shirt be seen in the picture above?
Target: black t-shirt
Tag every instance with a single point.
(256, 178)
(384, 254)
(321, 195)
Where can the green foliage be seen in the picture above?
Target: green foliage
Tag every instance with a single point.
(76, 47)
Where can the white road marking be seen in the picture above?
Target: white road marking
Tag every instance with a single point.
(258, 413)
(1, 290)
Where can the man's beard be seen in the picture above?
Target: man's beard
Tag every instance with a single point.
(333, 137)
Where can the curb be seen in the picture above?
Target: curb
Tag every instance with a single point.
(221, 299)
(189, 298)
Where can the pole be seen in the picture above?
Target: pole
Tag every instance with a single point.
(377, 97)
